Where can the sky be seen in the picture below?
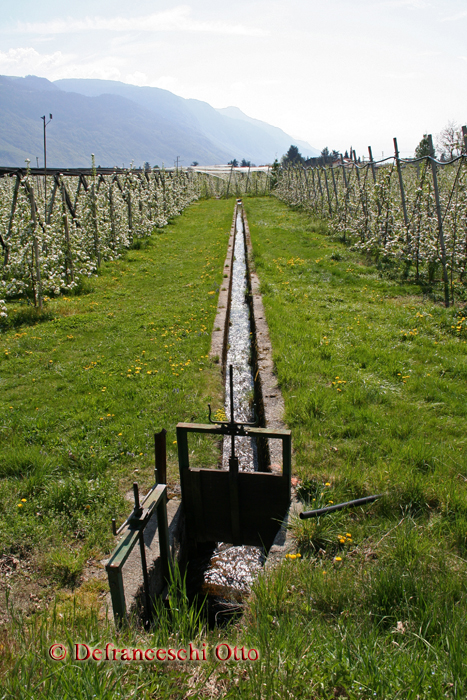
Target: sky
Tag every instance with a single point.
(336, 73)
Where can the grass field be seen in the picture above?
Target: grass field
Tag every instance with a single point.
(374, 380)
(373, 376)
(84, 390)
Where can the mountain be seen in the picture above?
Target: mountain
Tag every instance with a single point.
(282, 139)
(121, 123)
(228, 129)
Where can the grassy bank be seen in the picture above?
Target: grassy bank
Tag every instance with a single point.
(84, 390)
(374, 380)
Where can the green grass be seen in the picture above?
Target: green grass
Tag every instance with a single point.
(84, 390)
(373, 376)
(376, 605)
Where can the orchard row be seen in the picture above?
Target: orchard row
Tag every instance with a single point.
(52, 240)
(414, 211)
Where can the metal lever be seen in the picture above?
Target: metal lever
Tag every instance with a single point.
(329, 509)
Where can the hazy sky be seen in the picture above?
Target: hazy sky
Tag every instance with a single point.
(333, 72)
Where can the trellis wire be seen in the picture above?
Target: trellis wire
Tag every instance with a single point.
(421, 221)
(47, 247)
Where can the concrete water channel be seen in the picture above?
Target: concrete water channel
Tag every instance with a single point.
(225, 575)
(233, 520)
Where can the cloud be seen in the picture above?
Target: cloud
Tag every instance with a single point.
(28, 59)
(416, 4)
(166, 82)
(177, 19)
(460, 15)
(137, 78)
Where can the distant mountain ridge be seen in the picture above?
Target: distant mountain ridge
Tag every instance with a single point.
(121, 123)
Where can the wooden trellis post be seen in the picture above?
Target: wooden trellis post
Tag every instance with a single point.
(68, 255)
(35, 248)
(440, 221)
(6, 252)
(95, 225)
(327, 190)
(401, 185)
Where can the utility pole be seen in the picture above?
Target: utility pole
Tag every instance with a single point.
(45, 167)
(178, 158)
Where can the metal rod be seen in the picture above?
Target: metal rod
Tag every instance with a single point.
(138, 510)
(232, 455)
(339, 506)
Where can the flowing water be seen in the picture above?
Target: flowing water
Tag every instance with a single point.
(239, 356)
(231, 570)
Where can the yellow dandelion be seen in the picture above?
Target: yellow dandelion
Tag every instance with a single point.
(337, 558)
(23, 500)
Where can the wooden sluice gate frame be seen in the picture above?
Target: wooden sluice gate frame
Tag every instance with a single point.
(242, 508)
(231, 506)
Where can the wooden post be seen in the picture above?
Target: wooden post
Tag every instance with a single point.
(112, 216)
(287, 459)
(346, 195)
(6, 254)
(319, 182)
(68, 256)
(307, 184)
(130, 215)
(464, 134)
(35, 246)
(440, 221)
(362, 202)
(335, 187)
(327, 191)
(372, 164)
(401, 185)
(373, 171)
(230, 177)
(160, 445)
(94, 225)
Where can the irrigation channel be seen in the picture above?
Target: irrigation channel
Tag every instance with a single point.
(226, 572)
